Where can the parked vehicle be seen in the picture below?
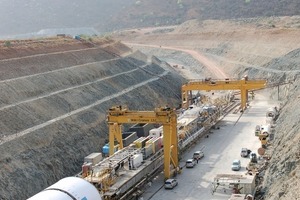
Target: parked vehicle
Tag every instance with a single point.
(170, 183)
(257, 130)
(253, 157)
(198, 155)
(236, 165)
(190, 163)
(245, 152)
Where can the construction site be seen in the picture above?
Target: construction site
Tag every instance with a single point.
(119, 117)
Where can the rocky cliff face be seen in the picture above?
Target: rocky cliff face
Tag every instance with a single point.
(281, 178)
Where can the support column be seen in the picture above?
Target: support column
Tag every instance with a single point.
(174, 141)
(243, 98)
(190, 98)
(167, 150)
(115, 133)
(170, 146)
(185, 99)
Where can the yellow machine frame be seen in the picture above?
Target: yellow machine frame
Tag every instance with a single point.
(167, 117)
(263, 139)
(243, 85)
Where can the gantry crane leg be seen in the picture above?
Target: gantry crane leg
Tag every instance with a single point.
(170, 147)
(243, 98)
(174, 141)
(115, 133)
(167, 150)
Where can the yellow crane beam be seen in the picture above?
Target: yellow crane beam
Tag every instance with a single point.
(243, 85)
(167, 117)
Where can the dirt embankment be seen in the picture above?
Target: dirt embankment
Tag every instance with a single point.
(261, 48)
(55, 96)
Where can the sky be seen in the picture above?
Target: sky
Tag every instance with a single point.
(30, 16)
(25, 16)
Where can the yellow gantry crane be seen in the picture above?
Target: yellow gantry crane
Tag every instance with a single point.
(244, 85)
(167, 117)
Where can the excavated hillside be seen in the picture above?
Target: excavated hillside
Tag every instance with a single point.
(264, 48)
(55, 93)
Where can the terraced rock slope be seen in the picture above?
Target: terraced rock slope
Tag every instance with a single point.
(55, 94)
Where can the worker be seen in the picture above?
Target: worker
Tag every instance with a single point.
(175, 173)
(235, 190)
(252, 95)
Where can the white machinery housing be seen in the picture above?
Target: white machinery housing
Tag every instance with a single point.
(70, 188)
